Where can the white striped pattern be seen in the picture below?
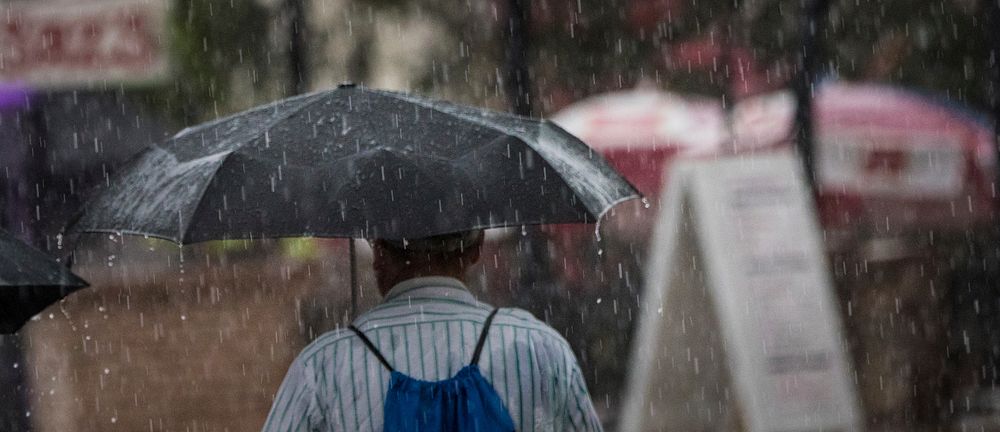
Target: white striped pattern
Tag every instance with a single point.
(427, 329)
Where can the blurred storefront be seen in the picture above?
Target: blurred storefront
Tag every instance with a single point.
(906, 205)
(198, 338)
(67, 124)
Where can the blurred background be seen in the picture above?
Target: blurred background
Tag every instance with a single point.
(898, 137)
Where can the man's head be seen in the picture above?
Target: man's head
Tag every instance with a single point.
(441, 255)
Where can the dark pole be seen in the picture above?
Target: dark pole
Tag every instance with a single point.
(517, 83)
(990, 293)
(993, 17)
(729, 80)
(534, 263)
(353, 252)
(809, 61)
(298, 67)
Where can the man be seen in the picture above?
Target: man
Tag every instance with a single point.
(427, 328)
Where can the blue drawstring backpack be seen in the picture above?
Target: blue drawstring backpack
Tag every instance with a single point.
(465, 402)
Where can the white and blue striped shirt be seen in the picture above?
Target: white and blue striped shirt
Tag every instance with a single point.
(427, 328)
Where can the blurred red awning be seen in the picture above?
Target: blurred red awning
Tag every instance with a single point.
(885, 155)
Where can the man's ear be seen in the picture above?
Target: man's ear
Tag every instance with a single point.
(384, 254)
(380, 253)
(474, 253)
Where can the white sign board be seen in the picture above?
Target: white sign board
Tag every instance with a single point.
(61, 44)
(738, 324)
(905, 164)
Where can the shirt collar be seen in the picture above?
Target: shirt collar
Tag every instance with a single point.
(430, 287)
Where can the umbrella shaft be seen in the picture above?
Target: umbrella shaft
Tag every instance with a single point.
(354, 277)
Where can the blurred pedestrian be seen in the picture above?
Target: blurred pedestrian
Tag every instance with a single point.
(433, 358)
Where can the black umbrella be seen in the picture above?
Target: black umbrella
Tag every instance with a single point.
(29, 281)
(359, 163)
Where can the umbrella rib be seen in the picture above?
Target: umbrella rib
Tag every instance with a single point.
(269, 125)
(461, 116)
(521, 135)
(201, 199)
(343, 158)
(188, 130)
(543, 152)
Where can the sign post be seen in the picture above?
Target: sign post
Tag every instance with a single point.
(739, 329)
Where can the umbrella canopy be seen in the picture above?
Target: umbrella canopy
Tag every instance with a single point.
(356, 162)
(29, 281)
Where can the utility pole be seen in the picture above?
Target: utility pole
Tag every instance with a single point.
(517, 83)
(535, 274)
(992, 12)
(809, 61)
(298, 65)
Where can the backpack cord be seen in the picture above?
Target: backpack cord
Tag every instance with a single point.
(482, 337)
(371, 347)
(381, 358)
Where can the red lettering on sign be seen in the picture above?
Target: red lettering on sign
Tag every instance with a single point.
(119, 39)
(889, 162)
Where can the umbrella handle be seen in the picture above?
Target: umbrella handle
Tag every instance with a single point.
(354, 277)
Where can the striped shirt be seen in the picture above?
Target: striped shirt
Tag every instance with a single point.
(427, 328)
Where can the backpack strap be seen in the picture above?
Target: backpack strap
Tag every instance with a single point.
(371, 347)
(482, 337)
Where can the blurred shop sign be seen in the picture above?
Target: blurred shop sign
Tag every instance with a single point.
(738, 324)
(885, 156)
(59, 44)
(906, 165)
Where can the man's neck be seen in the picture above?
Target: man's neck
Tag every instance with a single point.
(386, 285)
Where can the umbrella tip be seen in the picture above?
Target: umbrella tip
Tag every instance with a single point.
(346, 84)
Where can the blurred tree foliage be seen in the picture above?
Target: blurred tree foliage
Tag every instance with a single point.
(585, 47)
(701, 46)
(938, 46)
(212, 43)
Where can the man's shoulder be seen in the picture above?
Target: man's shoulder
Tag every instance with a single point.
(541, 331)
(516, 316)
(325, 344)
